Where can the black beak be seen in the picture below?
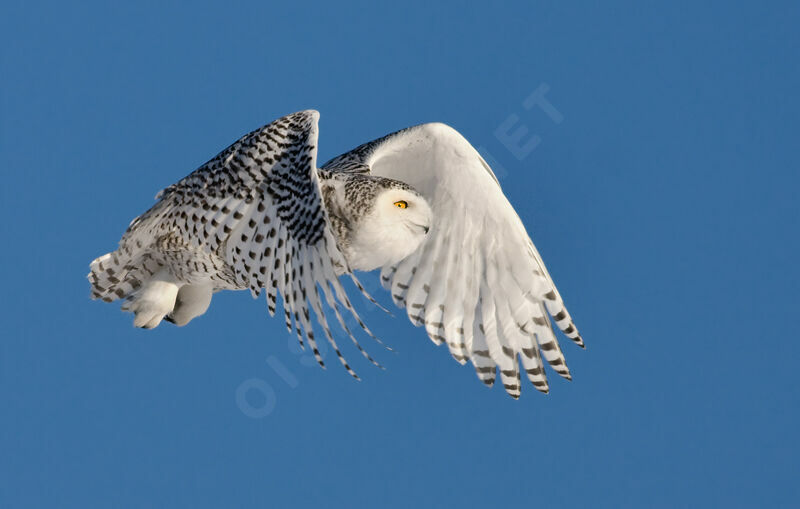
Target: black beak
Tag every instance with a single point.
(425, 228)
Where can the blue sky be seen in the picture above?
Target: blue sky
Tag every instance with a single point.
(663, 201)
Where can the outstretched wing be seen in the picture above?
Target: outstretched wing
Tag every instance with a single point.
(257, 204)
(477, 283)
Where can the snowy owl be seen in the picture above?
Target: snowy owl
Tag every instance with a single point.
(420, 204)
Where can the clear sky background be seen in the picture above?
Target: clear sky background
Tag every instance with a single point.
(662, 196)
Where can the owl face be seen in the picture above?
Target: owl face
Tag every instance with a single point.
(402, 208)
(398, 223)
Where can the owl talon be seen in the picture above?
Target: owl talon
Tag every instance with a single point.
(148, 316)
(154, 302)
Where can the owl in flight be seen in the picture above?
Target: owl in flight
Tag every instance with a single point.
(420, 204)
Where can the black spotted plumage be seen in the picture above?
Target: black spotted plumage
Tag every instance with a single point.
(250, 218)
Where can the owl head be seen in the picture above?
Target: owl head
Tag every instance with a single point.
(395, 225)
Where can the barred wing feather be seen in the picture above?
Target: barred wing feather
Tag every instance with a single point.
(477, 284)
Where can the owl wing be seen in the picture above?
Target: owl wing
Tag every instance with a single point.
(258, 205)
(477, 283)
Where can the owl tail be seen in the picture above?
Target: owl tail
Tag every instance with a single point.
(117, 275)
(150, 292)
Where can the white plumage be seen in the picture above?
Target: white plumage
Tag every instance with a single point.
(421, 204)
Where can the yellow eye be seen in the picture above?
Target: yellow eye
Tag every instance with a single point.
(401, 204)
